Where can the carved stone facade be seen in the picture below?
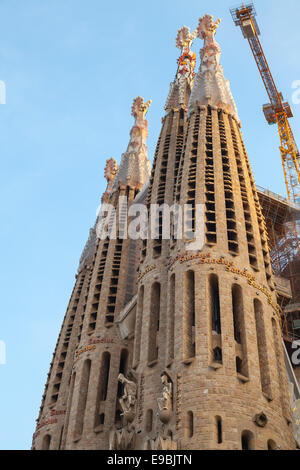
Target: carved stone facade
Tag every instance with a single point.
(164, 347)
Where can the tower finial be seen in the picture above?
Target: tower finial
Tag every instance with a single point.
(134, 169)
(185, 72)
(210, 86)
(187, 60)
(139, 108)
(211, 51)
(185, 38)
(207, 29)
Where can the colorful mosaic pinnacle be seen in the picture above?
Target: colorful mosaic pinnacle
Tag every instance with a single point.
(207, 28)
(181, 87)
(185, 38)
(139, 108)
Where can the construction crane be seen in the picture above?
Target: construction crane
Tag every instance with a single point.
(277, 111)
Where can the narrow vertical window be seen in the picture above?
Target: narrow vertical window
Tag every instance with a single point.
(149, 420)
(236, 312)
(239, 330)
(272, 445)
(219, 429)
(138, 328)
(262, 348)
(122, 370)
(215, 304)
(84, 387)
(102, 386)
(189, 315)
(247, 440)
(189, 425)
(215, 320)
(46, 442)
(154, 323)
(171, 319)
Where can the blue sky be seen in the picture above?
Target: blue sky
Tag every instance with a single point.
(71, 69)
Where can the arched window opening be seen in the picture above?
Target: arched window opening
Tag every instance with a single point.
(217, 357)
(149, 420)
(247, 440)
(272, 445)
(138, 328)
(103, 381)
(239, 329)
(219, 429)
(189, 315)
(104, 376)
(122, 369)
(46, 442)
(189, 427)
(154, 323)
(236, 311)
(171, 318)
(215, 304)
(101, 418)
(239, 365)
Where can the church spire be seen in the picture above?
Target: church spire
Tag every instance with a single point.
(210, 85)
(181, 87)
(134, 169)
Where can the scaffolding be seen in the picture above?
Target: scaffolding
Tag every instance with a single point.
(283, 225)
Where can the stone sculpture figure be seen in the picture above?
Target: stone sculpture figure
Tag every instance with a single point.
(165, 402)
(128, 399)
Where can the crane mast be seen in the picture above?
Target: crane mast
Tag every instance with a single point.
(277, 111)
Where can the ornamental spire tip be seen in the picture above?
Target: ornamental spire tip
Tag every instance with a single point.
(207, 28)
(210, 86)
(139, 108)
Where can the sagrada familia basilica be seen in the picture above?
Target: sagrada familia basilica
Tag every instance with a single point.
(165, 345)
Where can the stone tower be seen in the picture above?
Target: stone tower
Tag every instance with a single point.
(207, 349)
(81, 398)
(174, 341)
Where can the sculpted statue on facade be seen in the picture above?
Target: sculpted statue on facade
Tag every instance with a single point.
(128, 399)
(165, 401)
